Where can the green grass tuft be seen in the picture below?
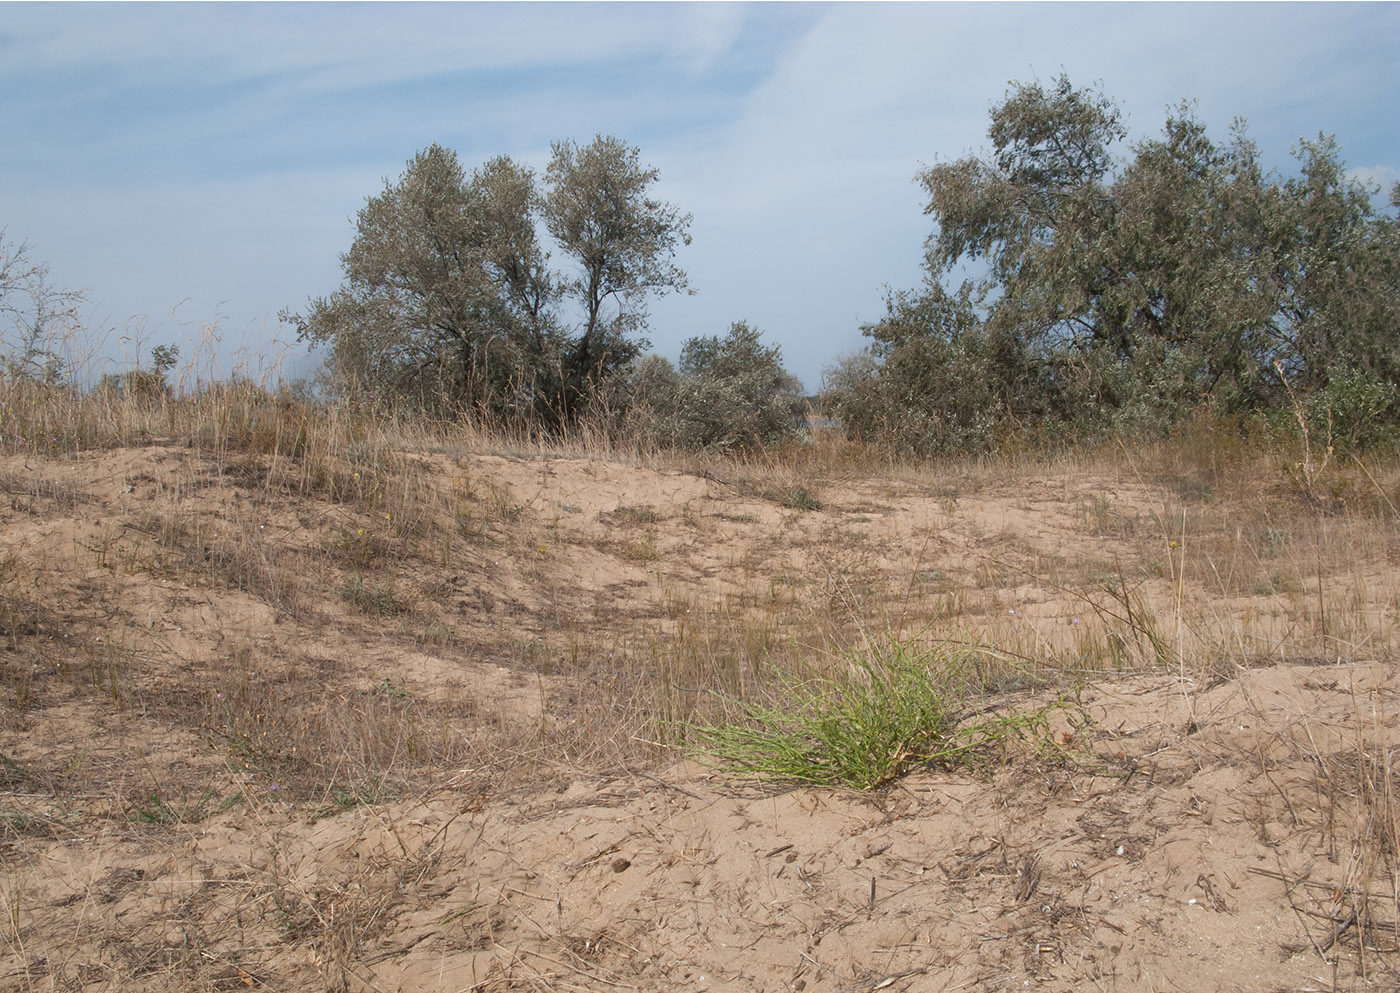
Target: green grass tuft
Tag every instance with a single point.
(878, 714)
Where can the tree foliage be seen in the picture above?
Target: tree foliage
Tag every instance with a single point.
(449, 298)
(446, 296)
(1067, 288)
(728, 393)
(622, 242)
(146, 386)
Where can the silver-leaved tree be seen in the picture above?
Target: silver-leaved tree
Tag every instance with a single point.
(449, 299)
(1071, 287)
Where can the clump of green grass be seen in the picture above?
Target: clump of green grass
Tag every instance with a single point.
(876, 715)
(378, 599)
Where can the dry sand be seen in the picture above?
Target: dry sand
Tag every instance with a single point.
(1213, 828)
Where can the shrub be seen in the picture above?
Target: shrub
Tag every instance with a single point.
(729, 393)
(1354, 410)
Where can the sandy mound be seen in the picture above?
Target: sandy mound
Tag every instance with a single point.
(259, 735)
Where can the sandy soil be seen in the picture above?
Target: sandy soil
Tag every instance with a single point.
(176, 631)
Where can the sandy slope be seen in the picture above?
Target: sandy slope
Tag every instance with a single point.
(1226, 831)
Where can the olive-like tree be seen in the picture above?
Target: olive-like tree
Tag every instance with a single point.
(449, 298)
(730, 392)
(622, 241)
(1072, 284)
(446, 299)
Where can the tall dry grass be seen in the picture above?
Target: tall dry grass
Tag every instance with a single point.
(1248, 547)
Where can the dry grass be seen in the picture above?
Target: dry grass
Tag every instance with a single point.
(1215, 552)
(220, 625)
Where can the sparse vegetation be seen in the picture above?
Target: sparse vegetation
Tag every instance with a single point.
(417, 621)
(37, 318)
(273, 666)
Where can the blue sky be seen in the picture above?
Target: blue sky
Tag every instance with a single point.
(214, 156)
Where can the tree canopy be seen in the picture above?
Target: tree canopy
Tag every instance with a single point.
(449, 298)
(622, 242)
(1068, 285)
(729, 392)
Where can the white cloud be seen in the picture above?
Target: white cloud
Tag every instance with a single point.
(705, 33)
(307, 48)
(1382, 177)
